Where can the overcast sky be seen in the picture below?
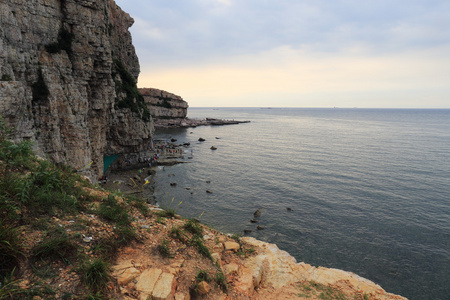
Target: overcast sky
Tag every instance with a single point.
(295, 53)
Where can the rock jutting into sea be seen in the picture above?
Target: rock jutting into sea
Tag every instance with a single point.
(169, 111)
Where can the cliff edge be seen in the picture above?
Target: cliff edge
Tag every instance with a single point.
(68, 73)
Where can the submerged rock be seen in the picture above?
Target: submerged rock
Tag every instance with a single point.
(201, 140)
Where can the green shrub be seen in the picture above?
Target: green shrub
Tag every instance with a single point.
(140, 204)
(178, 234)
(221, 281)
(197, 242)
(58, 246)
(164, 249)
(95, 275)
(10, 250)
(111, 210)
(167, 213)
(107, 248)
(193, 227)
(202, 275)
(127, 85)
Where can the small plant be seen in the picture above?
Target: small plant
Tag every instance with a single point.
(167, 213)
(9, 250)
(193, 227)
(197, 242)
(140, 204)
(202, 275)
(111, 210)
(236, 237)
(221, 281)
(95, 275)
(160, 220)
(164, 249)
(59, 247)
(178, 234)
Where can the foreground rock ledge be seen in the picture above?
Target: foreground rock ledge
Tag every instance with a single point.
(265, 272)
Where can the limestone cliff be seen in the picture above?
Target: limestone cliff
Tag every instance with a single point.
(68, 73)
(164, 105)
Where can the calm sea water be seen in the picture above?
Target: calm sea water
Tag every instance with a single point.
(369, 189)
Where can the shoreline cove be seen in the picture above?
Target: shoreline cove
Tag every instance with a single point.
(266, 273)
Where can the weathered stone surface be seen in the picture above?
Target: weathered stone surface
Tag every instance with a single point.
(126, 276)
(232, 246)
(278, 269)
(147, 280)
(61, 84)
(203, 288)
(165, 287)
(164, 105)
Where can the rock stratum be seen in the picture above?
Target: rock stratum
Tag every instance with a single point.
(164, 105)
(68, 73)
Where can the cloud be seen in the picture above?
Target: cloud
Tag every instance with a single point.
(290, 77)
(315, 49)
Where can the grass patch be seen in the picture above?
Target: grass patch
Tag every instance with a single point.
(126, 85)
(164, 249)
(139, 204)
(202, 275)
(178, 234)
(197, 242)
(321, 291)
(112, 211)
(10, 290)
(193, 227)
(10, 250)
(95, 275)
(167, 213)
(58, 246)
(221, 281)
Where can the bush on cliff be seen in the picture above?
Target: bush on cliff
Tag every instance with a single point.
(36, 199)
(127, 85)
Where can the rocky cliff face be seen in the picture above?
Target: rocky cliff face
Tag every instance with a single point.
(164, 105)
(68, 73)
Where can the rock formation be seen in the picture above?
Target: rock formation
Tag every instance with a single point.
(68, 73)
(164, 105)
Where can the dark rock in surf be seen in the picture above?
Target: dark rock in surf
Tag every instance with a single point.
(257, 213)
(201, 140)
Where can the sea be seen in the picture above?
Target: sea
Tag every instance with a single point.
(362, 190)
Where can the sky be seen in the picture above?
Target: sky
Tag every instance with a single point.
(295, 53)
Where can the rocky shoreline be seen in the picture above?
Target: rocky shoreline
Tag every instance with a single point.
(252, 269)
(186, 122)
